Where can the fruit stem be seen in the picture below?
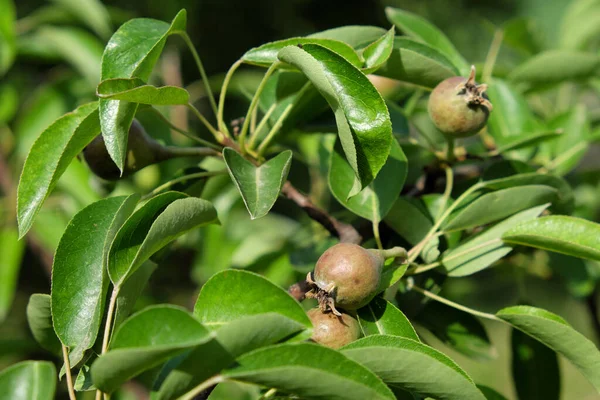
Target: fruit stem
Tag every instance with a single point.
(261, 125)
(182, 131)
(220, 123)
(450, 149)
(415, 251)
(376, 234)
(253, 104)
(394, 252)
(209, 92)
(205, 122)
(68, 373)
(453, 304)
(274, 130)
(449, 187)
(492, 55)
(183, 178)
(202, 387)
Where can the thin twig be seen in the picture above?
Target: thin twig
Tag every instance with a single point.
(202, 387)
(220, 123)
(345, 232)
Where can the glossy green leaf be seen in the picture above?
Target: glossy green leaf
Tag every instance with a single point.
(363, 122)
(259, 186)
(356, 36)
(11, 253)
(563, 234)
(49, 157)
(79, 282)
(486, 248)
(309, 371)
(421, 29)
(381, 317)
(28, 380)
(556, 333)
(142, 342)
(136, 90)
(565, 201)
(131, 52)
(234, 294)
(39, 318)
(7, 35)
(512, 118)
(83, 381)
(375, 200)
(231, 341)
(266, 54)
(131, 291)
(413, 366)
(92, 13)
(500, 204)
(458, 330)
(158, 222)
(555, 66)
(579, 24)
(78, 47)
(417, 63)
(378, 52)
(534, 368)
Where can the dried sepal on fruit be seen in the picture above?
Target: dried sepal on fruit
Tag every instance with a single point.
(459, 107)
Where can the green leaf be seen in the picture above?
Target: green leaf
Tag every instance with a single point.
(7, 35)
(83, 381)
(421, 29)
(375, 200)
(259, 186)
(512, 118)
(356, 36)
(565, 202)
(231, 341)
(29, 380)
(378, 52)
(137, 91)
(417, 63)
(486, 248)
(534, 368)
(413, 366)
(142, 342)
(563, 234)
(569, 149)
(234, 294)
(78, 47)
(131, 52)
(579, 24)
(555, 66)
(408, 220)
(499, 205)
(92, 13)
(266, 54)
(130, 292)
(554, 332)
(362, 118)
(458, 330)
(158, 222)
(309, 371)
(381, 317)
(49, 157)
(490, 394)
(79, 283)
(528, 140)
(39, 318)
(11, 253)
(521, 34)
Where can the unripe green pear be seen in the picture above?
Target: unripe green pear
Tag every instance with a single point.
(459, 107)
(331, 330)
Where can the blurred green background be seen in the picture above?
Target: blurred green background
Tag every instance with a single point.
(57, 67)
